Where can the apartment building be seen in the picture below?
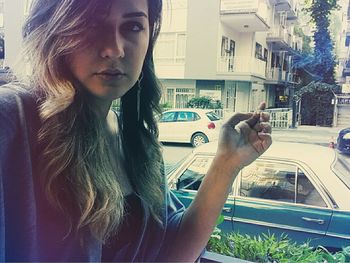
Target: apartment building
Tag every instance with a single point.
(237, 51)
(342, 101)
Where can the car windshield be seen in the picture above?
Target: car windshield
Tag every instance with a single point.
(341, 169)
(212, 116)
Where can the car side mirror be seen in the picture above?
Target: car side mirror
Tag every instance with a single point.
(178, 184)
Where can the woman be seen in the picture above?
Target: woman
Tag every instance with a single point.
(77, 183)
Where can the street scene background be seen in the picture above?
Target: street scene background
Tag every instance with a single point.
(325, 136)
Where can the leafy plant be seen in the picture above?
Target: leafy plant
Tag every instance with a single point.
(204, 103)
(267, 248)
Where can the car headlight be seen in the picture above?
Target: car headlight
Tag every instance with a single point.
(346, 136)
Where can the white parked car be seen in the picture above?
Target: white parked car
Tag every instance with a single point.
(195, 126)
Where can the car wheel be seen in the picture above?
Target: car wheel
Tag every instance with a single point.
(198, 139)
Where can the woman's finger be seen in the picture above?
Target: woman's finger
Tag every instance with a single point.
(264, 117)
(237, 118)
(263, 127)
(262, 106)
(255, 119)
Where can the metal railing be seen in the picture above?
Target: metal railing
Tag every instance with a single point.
(281, 118)
(241, 64)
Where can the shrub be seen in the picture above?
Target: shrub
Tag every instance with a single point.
(270, 249)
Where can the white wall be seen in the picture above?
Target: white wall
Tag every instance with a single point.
(13, 20)
(174, 21)
(242, 96)
(202, 33)
(174, 16)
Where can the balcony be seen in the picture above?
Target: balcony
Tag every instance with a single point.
(293, 78)
(245, 15)
(241, 65)
(279, 39)
(297, 45)
(288, 6)
(346, 72)
(275, 75)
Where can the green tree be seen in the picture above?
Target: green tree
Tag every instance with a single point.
(324, 59)
(316, 67)
(204, 103)
(316, 103)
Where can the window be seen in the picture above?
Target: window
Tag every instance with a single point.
(171, 48)
(224, 46)
(187, 116)
(341, 169)
(275, 61)
(277, 181)
(212, 116)
(183, 96)
(258, 51)
(347, 41)
(268, 181)
(193, 175)
(168, 117)
(307, 193)
(266, 54)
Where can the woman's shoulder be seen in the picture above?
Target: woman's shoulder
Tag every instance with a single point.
(16, 100)
(13, 93)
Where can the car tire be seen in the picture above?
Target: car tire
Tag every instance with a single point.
(199, 139)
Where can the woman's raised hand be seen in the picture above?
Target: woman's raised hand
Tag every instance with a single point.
(244, 137)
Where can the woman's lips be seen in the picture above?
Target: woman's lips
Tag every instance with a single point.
(111, 74)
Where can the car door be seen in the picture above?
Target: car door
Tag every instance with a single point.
(186, 124)
(166, 126)
(280, 197)
(186, 184)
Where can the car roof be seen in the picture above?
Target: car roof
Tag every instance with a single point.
(191, 110)
(319, 158)
(345, 130)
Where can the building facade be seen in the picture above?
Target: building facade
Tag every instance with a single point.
(236, 51)
(342, 101)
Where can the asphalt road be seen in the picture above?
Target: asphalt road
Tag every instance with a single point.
(174, 152)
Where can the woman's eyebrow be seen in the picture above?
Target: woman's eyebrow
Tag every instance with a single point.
(135, 14)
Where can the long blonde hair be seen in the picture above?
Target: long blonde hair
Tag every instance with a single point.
(77, 171)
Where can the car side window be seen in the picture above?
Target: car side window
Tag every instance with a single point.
(268, 180)
(307, 193)
(168, 117)
(196, 116)
(212, 116)
(185, 116)
(192, 177)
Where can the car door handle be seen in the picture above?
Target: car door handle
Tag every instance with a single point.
(227, 209)
(313, 220)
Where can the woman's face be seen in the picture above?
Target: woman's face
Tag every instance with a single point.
(112, 61)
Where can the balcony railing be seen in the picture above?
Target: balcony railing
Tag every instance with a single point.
(286, 5)
(280, 118)
(274, 74)
(280, 33)
(245, 7)
(241, 64)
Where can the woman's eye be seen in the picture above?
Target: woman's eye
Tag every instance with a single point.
(133, 27)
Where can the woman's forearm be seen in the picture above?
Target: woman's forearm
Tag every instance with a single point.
(199, 219)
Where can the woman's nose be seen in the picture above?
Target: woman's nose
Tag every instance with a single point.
(113, 47)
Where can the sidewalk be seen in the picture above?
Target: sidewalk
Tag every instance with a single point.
(307, 134)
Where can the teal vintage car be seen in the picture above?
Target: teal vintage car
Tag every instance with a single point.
(301, 190)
